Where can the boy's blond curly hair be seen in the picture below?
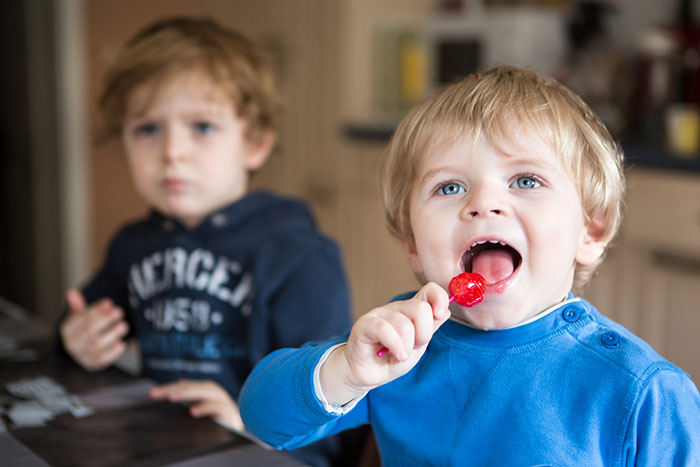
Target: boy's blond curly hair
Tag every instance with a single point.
(487, 105)
(176, 45)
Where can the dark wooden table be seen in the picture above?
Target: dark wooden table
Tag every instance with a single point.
(148, 434)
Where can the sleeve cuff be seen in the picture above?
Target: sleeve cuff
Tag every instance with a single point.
(331, 409)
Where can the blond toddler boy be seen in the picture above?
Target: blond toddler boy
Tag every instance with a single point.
(510, 175)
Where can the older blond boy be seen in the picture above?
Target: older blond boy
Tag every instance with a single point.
(215, 277)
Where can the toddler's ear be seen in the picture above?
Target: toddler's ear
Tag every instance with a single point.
(259, 151)
(592, 244)
(409, 248)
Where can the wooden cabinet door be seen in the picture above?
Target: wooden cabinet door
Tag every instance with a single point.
(650, 283)
(672, 311)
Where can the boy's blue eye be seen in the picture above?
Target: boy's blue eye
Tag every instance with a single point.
(452, 189)
(203, 127)
(526, 182)
(147, 129)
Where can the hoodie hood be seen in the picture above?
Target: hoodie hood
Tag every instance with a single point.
(264, 209)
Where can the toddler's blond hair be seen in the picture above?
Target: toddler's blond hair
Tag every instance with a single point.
(487, 105)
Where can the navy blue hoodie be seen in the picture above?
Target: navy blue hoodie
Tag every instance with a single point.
(210, 302)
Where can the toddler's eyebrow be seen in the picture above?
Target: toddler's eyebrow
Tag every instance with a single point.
(527, 161)
(433, 172)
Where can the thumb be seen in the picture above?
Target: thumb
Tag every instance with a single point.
(75, 300)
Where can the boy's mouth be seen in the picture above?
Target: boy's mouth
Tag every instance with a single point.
(174, 184)
(494, 260)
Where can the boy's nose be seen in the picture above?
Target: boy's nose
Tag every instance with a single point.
(174, 145)
(483, 202)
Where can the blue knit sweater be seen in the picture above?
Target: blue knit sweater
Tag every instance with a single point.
(571, 388)
(210, 302)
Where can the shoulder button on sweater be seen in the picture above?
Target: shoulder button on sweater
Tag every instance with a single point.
(571, 315)
(610, 339)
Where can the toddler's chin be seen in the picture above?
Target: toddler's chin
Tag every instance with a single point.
(485, 319)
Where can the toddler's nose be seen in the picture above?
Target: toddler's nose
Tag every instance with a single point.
(483, 201)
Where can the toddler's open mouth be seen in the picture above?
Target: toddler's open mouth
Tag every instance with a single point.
(494, 260)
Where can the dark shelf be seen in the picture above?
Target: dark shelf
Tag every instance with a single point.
(640, 155)
(376, 133)
(636, 154)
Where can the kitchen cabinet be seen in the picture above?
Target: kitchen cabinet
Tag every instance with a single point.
(651, 280)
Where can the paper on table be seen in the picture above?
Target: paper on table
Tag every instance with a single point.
(38, 400)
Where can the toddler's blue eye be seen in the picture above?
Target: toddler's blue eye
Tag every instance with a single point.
(147, 129)
(526, 182)
(452, 189)
(203, 127)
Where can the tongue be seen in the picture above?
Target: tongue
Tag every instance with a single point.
(493, 265)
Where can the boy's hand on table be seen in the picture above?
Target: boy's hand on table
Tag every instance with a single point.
(93, 335)
(207, 399)
(403, 327)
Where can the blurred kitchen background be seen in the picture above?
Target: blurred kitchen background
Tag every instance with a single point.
(350, 69)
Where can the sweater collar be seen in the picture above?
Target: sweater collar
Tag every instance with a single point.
(572, 312)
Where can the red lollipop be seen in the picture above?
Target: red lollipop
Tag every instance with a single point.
(467, 289)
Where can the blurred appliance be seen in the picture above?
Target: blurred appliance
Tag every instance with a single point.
(413, 60)
(485, 37)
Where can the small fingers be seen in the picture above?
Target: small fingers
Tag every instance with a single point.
(100, 335)
(226, 413)
(416, 322)
(206, 408)
(77, 304)
(93, 336)
(106, 356)
(111, 335)
(422, 320)
(93, 320)
(169, 391)
(189, 390)
(438, 300)
(102, 320)
(389, 336)
(401, 327)
(75, 301)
